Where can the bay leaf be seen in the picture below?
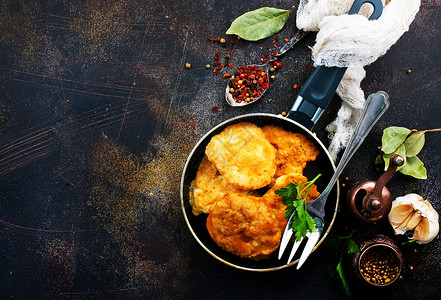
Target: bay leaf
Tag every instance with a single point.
(393, 137)
(414, 167)
(414, 143)
(259, 24)
(401, 151)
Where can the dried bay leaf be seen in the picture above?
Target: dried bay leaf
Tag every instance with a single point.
(414, 143)
(393, 137)
(401, 151)
(259, 24)
(414, 167)
(406, 143)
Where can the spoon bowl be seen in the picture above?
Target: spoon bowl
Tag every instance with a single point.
(229, 97)
(265, 67)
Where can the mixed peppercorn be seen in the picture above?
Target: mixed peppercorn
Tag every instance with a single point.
(379, 265)
(248, 83)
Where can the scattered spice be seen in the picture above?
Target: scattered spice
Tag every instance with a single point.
(215, 109)
(379, 265)
(248, 83)
(227, 75)
(283, 113)
(295, 85)
(218, 65)
(409, 71)
(207, 66)
(222, 40)
(188, 65)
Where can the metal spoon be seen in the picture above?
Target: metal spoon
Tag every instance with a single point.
(266, 66)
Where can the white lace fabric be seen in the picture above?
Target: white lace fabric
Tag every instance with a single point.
(352, 41)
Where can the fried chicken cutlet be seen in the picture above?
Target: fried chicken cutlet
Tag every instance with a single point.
(294, 150)
(243, 156)
(251, 226)
(246, 225)
(208, 187)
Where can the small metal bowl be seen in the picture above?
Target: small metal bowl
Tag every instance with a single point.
(379, 261)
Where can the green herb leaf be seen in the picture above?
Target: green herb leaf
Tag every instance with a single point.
(343, 279)
(401, 151)
(342, 244)
(408, 242)
(289, 196)
(259, 24)
(393, 137)
(414, 143)
(406, 143)
(311, 223)
(288, 193)
(332, 270)
(379, 159)
(332, 241)
(414, 167)
(352, 247)
(296, 203)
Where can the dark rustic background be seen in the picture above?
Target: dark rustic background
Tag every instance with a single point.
(98, 115)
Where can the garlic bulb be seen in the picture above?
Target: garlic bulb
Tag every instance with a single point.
(411, 212)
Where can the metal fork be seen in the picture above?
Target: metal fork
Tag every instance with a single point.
(376, 105)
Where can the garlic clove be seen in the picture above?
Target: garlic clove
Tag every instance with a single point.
(412, 212)
(414, 220)
(403, 224)
(399, 214)
(427, 229)
(422, 231)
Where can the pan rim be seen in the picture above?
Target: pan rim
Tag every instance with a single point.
(202, 139)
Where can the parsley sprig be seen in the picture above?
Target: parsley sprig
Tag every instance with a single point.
(294, 197)
(342, 245)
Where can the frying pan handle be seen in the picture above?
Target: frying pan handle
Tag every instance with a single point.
(318, 90)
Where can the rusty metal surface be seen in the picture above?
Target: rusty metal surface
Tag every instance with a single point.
(98, 115)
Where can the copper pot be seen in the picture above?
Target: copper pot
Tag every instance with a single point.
(377, 253)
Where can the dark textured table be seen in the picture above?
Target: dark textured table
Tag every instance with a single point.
(98, 115)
